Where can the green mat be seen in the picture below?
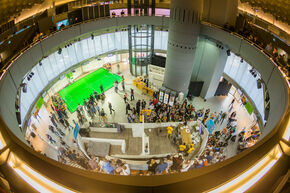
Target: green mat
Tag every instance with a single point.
(249, 107)
(39, 103)
(75, 93)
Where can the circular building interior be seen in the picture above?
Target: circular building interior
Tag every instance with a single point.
(144, 96)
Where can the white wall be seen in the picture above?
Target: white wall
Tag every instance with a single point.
(208, 66)
(26, 61)
(278, 90)
(240, 73)
(276, 84)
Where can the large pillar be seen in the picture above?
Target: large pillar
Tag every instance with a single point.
(183, 33)
(208, 66)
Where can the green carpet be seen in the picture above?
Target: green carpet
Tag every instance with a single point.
(75, 93)
(249, 107)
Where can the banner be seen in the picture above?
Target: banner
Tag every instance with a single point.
(76, 130)
(210, 126)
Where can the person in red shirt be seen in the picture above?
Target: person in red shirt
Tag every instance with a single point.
(155, 101)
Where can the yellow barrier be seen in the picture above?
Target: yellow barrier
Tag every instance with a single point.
(142, 86)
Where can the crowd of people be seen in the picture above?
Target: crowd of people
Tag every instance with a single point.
(281, 59)
(92, 108)
(154, 112)
(214, 152)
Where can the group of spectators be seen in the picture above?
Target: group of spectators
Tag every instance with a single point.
(91, 106)
(281, 59)
(214, 152)
(58, 117)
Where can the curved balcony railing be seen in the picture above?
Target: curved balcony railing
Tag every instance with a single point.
(282, 122)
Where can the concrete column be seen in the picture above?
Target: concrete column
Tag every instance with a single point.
(183, 33)
(209, 65)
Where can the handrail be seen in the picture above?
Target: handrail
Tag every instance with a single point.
(96, 19)
(277, 64)
(203, 171)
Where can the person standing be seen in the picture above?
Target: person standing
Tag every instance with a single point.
(118, 68)
(223, 117)
(143, 104)
(101, 87)
(138, 105)
(98, 109)
(116, 86)
(103, 115)
(129, 118)
(81, 109)
(54, 116)
(132, 94)
(232, 103)
(125, 97)
(128, 107)
(123, 83)
(96, 96)
(85, 103)
(67, 124)
(110, 107)
(53, 121)
(52, 107)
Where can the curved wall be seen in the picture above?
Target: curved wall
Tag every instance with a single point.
(273, 78)
(240, 73)
(26, 61)
(278, 90)
(56, 63)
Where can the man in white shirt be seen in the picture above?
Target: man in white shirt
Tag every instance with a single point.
(125, 170)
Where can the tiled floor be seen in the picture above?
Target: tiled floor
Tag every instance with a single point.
(216, 104)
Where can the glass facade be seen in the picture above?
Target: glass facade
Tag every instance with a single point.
(53, 65)
(241, 72)
(140, 48)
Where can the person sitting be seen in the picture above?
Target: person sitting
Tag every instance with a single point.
(182, 147)
(169, 132)
(191, 148)
(161, 166)
(177, 163)
(113, 14)
(125, 170)
(93, 163)
(122, 13)
(108, 168)
(152, 165)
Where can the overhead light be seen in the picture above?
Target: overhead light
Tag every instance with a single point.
(32, 73)
(28, 78)
(228, 52)
(242, 60)
(92, 35)
(40, 63)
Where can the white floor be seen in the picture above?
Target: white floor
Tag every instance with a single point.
(215, 104)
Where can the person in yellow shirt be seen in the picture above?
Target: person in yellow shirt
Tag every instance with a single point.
(191, 148)
(169, 132)
(182, 147)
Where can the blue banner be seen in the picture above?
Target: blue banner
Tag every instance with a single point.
(210, 126)
(76, 130)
